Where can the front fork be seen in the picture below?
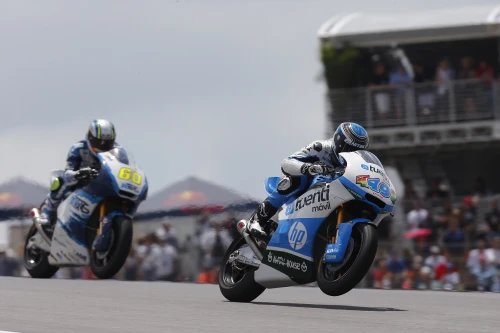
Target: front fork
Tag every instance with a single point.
(101, 242)
(335, 251)
(340, 218)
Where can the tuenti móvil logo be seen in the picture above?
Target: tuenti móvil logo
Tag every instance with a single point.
(322, 195)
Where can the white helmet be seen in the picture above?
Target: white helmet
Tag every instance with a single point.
(101, 136)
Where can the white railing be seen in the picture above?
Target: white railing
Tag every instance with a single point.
(417, 104)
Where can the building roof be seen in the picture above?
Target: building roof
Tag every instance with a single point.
(364, 29)
(21, 193)
(192, 192)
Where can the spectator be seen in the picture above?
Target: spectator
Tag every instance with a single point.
(418, 216)
(425, 278)
(190, 249)
(444, 75)
(496, 251)
(397, 268)
(435, 259)
(419, 74)
(466, 71)
(492, 219)
(408, 257)
(167, 234)
(382, 275)
(382, 99)
(486, 274)
(454, 238)
(468, 217)
(147, 257)
(401, 80)
(480, 252)
(214, 243)
(450, 279)
(424, 93)
(166, 261)
(466, 89)
(486, 73)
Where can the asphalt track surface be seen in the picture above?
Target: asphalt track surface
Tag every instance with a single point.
(64, 306)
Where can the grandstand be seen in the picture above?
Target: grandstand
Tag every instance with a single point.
(426, 86)
(443, 121)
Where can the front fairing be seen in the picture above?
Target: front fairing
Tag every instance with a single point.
(120, 177)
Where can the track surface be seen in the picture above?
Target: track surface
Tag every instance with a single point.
(62, 306)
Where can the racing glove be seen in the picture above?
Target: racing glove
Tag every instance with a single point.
(313, 168)
(81, 177)
(86, 175)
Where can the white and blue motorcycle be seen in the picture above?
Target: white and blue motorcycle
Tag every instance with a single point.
(93, 224)
(326, 234)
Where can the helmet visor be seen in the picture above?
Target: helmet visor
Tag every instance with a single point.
(101, 145)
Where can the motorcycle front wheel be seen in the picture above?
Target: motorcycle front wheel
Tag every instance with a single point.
(107, 266)
(338, 279)
(36, 261)
(236, 280)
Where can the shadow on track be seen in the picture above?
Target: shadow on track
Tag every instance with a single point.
(329, 307)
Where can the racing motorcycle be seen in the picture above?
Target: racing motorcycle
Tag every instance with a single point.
(326, 233)
(93, 223)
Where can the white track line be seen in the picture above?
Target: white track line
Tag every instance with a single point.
(8, 332)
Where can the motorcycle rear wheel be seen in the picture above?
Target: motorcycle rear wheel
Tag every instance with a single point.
(36, 261)
(238, 285)
(336, 280)
(121, 242)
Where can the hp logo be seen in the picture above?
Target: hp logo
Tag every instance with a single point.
(297, 236)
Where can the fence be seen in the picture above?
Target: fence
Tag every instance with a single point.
(418, 103)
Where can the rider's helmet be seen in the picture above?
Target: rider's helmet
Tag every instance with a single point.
(350, 137)
(101, 136)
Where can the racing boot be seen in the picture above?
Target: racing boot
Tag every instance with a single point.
(258, 222)
(49, 206)
(47, 212)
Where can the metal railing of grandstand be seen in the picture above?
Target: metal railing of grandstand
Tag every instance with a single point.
(417, 103)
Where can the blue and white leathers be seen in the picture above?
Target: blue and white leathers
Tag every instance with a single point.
(121, 186)
(79, 156)
(290, 258)
(293, 167)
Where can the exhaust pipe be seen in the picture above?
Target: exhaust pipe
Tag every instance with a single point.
(35, 216)
(242, 229)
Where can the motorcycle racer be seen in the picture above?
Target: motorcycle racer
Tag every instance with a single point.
(81, 163)
(316, 158)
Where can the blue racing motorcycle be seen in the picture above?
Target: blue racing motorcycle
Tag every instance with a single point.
(93, 224)
(326, 233)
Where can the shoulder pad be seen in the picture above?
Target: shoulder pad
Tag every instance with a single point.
(79, 145)
(317, 145)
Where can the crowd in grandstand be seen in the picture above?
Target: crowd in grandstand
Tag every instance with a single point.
(458, 246)
(473, 92)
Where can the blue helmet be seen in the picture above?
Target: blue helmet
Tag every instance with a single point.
(350, 137)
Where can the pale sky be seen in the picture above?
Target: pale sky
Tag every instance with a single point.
(219, 89)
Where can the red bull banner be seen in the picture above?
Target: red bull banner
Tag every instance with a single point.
(186, 198)
(8, 199)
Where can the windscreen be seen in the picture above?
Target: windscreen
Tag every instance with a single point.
(122, 156)
(369, 157)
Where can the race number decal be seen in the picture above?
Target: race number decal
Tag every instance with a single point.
(374, 184)
(128, 174)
